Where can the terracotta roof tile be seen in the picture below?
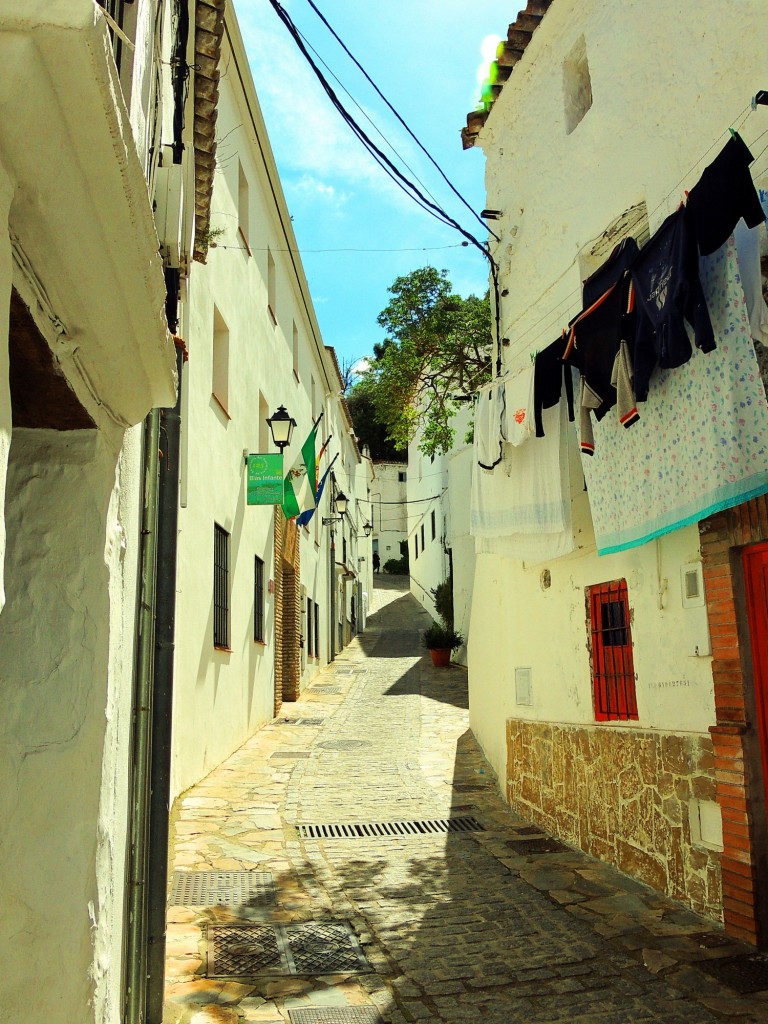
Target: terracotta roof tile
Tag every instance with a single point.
(209, 30)
(519, 35)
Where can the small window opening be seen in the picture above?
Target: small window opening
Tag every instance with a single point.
(577, 85)
(220, 371)
(243, 208)
(271, 287)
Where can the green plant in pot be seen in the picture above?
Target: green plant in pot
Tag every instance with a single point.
(440, 640)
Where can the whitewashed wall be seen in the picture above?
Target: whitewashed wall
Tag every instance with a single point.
(388, 508)
(666, 82)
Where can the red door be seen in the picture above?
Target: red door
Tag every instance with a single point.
(756, 578)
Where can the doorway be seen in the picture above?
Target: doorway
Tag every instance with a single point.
(756, 583)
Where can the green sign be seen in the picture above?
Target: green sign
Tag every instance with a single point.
(265, 479)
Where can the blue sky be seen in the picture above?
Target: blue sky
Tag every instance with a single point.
(424, 55)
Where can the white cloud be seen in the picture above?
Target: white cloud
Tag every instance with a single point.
(313, 140)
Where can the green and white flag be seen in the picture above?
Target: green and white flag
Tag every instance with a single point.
(300, 480)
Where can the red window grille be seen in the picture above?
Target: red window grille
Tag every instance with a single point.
(613, 668)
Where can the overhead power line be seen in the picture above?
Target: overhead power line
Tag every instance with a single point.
(381, 95)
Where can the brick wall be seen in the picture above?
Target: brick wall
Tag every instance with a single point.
(278, 601)
(287, 610)
(735, 739)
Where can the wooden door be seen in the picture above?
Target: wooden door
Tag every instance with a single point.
(756, 578)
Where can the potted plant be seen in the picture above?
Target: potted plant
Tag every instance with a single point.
(440, 640)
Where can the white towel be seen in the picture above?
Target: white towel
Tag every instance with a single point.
(518, 400)
(526, 501)
(488, 416)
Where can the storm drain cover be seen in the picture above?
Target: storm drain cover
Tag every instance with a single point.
(336, 1015)
(299, 721)
(325, 689)
(288, 754)
(543, 845)
(388, 829)
(710, 940)
(466, 787)
(745, 974)
(343, 744)
(222, 888)
(310, 948)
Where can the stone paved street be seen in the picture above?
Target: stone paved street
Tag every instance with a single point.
(455, 926)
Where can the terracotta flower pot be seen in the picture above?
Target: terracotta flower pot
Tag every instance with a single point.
(441, 656)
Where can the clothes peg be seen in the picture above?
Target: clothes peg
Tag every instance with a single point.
(733, 133)
(760, 99)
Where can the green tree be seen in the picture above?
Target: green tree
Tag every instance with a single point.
(437, 353)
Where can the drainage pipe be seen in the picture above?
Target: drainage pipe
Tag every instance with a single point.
(162, 704)
(135, 948)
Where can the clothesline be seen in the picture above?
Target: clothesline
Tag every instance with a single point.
(571, 303)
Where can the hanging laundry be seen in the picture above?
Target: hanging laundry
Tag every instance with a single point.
(748, 254)
(489, 411)
(702, 444)
(611, 272)
(668, 291)
(597, 347)
(518, 423)
(549, 374)
(525, 503)
(725, 193)
(621, 382)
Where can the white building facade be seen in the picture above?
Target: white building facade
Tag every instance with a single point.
(602, 116)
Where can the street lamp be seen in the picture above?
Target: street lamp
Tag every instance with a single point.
(367, 529)
(340, 503)
(281, 425)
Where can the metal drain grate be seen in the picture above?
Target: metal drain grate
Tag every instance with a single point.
(311, 948)
(336, 1015)
(299, 721)
(222, 888)
(325, 689)
(343, 744)
(543, 845)
(286, 755)
(710, 940)
(744, 974)
(388, 829)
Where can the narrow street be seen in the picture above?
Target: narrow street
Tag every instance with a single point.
(476, 916)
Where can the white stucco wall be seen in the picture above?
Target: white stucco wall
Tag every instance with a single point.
(665, 84)
(275, 357)
(66, 651)
(462, 545)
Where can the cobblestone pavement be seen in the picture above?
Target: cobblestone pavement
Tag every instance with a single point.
(462, 926)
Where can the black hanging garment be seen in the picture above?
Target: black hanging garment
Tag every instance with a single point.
(725, 193)
(597, 347)
(668, 291)
(548, 373)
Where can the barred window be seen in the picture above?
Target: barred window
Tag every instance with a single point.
(258, 600)
(220, 587)
(310, 630)
(317, 630)
(434, 525)
(613, 669)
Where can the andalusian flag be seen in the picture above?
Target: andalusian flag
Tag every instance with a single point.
(300, 480)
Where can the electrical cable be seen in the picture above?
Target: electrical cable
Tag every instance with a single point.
(384, 162)
(302, 252)
(370, 121)
(381, 95)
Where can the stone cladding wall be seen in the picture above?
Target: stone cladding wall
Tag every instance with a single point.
(623, 796)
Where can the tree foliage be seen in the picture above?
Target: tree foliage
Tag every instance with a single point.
(436, 353)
